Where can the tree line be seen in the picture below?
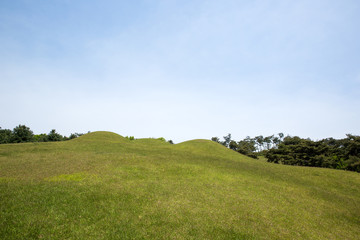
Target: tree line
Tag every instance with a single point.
(328, 153)
(22, 133)
(252, 147)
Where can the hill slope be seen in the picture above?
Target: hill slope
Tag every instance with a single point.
(104, 186)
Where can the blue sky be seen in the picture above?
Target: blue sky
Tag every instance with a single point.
(181, 69)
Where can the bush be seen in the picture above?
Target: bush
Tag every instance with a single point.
(131, 138)
(41, 138)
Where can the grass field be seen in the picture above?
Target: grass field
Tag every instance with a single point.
(104, 186)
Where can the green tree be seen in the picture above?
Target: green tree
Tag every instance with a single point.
(276, 141)
(227, 140)
(53, 136)
(352, 145)
(329, 153)
(5, 136)
(353, 163)
(259, 143)
(233, 145)
(21, 134)
(75, 135)
(247, 147)
(281, 136)
(268, 141)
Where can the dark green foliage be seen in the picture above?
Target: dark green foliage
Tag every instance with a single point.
(5, 136)
(171, 141)
(75, 135)
(233, 145)
(53, 136)
(301, 152)
(352, 144)
(245, 146)
(353, 163)
(21, 134)
(328, 153)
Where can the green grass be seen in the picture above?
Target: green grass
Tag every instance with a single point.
(104, 186)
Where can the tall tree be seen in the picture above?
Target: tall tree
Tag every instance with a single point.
(259, 142)
(276, 141)
(227, 140)
(247, 147)
(268, 141)
(21, 134)
(281, 136)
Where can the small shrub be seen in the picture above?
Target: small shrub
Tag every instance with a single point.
(41, 137)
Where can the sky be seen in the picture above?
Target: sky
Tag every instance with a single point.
(181, 70)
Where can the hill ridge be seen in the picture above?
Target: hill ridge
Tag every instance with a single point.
(104, 186)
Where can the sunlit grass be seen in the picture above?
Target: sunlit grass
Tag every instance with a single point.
(103, 186)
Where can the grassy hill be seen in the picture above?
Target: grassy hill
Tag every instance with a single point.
(104, 186)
